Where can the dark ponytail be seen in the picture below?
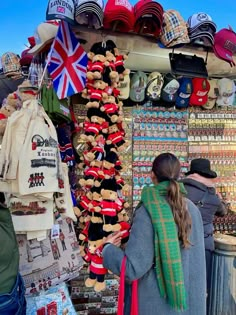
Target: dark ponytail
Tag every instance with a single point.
(166, 166)
(180, 212)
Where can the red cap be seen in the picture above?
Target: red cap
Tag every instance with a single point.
(120, 11)
(148, 17)
(199, 95)
(26, 58)
(225, 45)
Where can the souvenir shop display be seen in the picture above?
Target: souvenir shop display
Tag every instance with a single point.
(79, 136)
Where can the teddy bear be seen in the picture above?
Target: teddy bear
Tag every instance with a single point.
(119, 62)
(27, 91)
(97, 67)
(96, 94)
(110, 204)
(112, 109)
(93, 175)
(110, 74)
(116, 137)
(111, 164)
(93, 255)
(94, 124)
(5, 112)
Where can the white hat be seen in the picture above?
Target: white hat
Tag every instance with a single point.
(44, 33)
(226, 92)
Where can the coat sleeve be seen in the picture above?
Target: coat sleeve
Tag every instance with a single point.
(139, 249)
(221, 209)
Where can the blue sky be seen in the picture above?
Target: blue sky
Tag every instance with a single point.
(19, 18)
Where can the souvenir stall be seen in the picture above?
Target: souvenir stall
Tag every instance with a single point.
(116, 84)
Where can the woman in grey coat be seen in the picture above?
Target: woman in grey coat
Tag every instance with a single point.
(141, 251)
(200, 187)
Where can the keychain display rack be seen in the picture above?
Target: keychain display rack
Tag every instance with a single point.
(212, 135)
(156, 130)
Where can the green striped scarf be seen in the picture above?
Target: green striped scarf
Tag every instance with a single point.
(167, 249)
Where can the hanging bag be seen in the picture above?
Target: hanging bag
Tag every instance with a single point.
(40, 168)
(121, 296)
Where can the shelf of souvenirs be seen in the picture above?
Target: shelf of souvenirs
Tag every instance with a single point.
(209, 133)
(212, 150)
(226, 224)
(159, 115)
(228, 112)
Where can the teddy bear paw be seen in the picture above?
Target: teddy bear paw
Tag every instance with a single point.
(89, 283)
(99, 286)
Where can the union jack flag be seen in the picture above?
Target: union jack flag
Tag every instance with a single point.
(67, 63)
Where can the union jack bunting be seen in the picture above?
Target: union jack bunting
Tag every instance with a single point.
(67, 62)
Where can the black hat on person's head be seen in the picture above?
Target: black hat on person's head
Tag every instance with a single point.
(201, 167)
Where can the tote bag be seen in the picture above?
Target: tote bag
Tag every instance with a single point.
(40, 168)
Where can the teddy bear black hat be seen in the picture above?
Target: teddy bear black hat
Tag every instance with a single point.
(109, 184)
(96, 232)
(96, 112)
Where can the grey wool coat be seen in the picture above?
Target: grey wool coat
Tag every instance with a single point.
(212, 206)
(140, 257)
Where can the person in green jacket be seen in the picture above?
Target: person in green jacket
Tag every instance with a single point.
(12, 289)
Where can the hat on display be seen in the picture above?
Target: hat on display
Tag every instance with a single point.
(225, 45)
(44, 35)
(119, 15)
(201, 29)
(89, 12)
(202, 167)
(148, 17)
(138, 85)
(226, 88)
(174, 31)
(212, 94)
(155, 83)
(26, 58)
(170, 88)
(199, 96)
(10, 64)
(62, 10)
(184, 93)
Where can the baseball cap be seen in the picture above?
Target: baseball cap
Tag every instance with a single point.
(138, 85)
(10, 64)
(62, 10)
(44, 34)
(184, 93)
(201, 29)
(170, 88)
(226, 92)
(212, 94)
(89, 13)
(201, 21)
(148, 17)
(155, 83)
(225, 45)
(119, 15)
(199, 95)
(174, 29)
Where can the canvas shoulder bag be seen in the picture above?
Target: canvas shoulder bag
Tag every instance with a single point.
(40, 168)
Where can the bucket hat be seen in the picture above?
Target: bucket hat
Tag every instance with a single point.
(44, 34)
(202, 167)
